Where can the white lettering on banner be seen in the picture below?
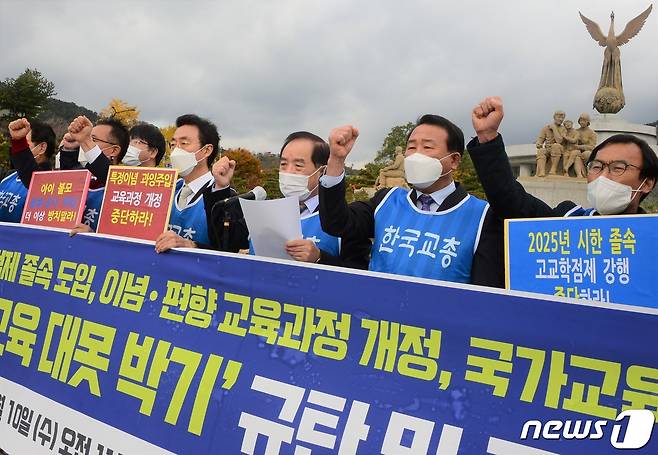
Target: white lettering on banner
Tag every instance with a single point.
(409, 241)
(34, 424)
(638, 425)
(404, 434)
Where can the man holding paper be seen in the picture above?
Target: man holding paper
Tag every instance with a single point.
(436, 230)
(303, 157)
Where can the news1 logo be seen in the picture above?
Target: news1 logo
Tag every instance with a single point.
(633, 430)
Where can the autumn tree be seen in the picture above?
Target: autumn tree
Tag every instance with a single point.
(121, 111)
(26, 95)
(396, 137)
(247, 169)
(168, 133)
(270, 182)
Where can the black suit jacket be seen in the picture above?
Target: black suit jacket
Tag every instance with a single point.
(25, 164)
(507, 197)
(358, 218)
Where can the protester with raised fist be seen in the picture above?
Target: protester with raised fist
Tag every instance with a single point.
(621, 172)
(102, 144)
(32, 149)
(435, 230)
(302, 159)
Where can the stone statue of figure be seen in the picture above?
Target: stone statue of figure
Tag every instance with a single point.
(570, 146)
(609, 98)
(550, 144)
(393, 173)
(586, 143)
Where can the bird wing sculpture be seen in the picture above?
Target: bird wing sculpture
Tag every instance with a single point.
(595, 31)
(633, 27)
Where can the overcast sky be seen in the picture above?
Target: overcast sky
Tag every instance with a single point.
(262, 69)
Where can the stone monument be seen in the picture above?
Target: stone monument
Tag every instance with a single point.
(393, 174)
(609, 98)
(550, 145)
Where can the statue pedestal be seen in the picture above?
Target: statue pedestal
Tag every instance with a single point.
(555, 189)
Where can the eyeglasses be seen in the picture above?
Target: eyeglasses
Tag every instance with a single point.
(615, 168)
(95, 139)
(139, 142)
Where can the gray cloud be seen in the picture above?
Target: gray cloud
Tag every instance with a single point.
(263, 69)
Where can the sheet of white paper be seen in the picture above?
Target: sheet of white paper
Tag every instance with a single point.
(271, 224)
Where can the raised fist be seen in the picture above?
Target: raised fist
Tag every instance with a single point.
(80, 129)
(341, 141)
(68, 143)
(18, 129)
(223, 170)
(486, 118)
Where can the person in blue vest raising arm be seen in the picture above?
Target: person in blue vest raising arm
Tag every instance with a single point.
(436, 230)
(302, 159)
(621, 172)
(32, 149)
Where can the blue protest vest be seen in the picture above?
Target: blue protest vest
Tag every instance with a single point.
(579, 211)
(93, 207)
(311, 230)
(190, 222)
(439, 245)
(12, 198)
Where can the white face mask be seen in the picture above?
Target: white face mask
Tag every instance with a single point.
(422, 171)
(609, 197)
(131, 158)
(183, 161)
(296, 185)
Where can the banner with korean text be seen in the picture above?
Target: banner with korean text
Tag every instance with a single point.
(107, 347)
(137, 201)
(56, 198)
(599, 258)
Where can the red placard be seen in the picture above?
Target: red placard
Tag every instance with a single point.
(56, 198)
(137, 201)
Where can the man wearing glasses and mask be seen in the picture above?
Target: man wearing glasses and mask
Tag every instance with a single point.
(103, 144)
(621, 172)
(146, 148)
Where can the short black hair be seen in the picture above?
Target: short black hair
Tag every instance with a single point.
(320, 154)
(118, 134)
(152, 135)
(42, 132)
(649, 159)
(208, 133)
(455, 134)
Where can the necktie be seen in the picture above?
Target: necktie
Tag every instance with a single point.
(184, 194)
(425, 201)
